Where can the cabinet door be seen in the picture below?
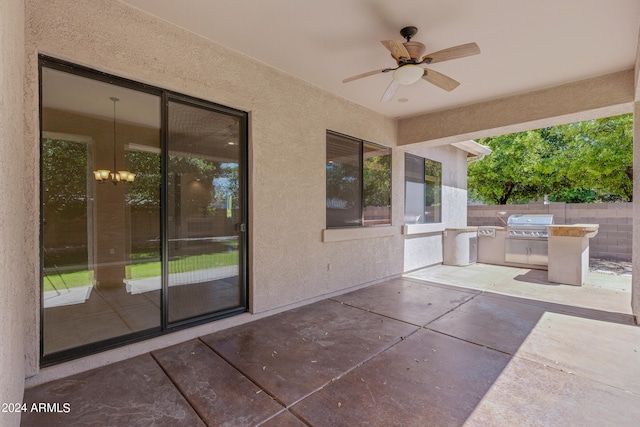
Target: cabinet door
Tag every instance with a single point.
(517, 250)
(538, 252)
(473, 249)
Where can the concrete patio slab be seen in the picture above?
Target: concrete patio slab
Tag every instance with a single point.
(534, 285)
(429, 379)
(612, 282)
(474, 276)
(135, 392)
(491, 322)
(409, 301)
(592, 313)
(600, 351)
(487, 359)
(530, 394)
(601, 291)
(293, 354)
(219, 393)
(284, 419)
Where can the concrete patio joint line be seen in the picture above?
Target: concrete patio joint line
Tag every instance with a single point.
(376, 313)
(402, 338)
(264, 390)
(177, 386)
(454, 308)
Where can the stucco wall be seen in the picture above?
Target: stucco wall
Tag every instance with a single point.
(13, 278)
(289, 261)
(424, 249)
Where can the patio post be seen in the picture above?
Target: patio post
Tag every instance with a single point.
(635, 287)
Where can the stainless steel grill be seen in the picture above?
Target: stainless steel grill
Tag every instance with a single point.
(523, 226)
(527, 239)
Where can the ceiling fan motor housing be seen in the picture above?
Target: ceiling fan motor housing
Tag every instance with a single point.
(416, 50)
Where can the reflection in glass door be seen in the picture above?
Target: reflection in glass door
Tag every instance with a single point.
(143, 211)
(204, 211)
(100, 238)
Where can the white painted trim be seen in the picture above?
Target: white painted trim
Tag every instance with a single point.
(473, 148)
(356, 233)
(423, 228)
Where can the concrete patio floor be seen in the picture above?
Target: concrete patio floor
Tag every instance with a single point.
(406, 352)
(607, 294)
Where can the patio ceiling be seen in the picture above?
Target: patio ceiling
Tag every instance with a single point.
(526, 45)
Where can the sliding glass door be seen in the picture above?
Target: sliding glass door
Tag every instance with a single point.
(143, 211)
(204, 210)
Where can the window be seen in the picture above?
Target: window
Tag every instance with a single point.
(358, 182)
(128, 258)
(423, 190)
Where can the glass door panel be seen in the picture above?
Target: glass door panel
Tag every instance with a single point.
(96, 236)
(204, 208)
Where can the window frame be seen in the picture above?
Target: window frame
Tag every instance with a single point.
(361, 166)
(425, 185)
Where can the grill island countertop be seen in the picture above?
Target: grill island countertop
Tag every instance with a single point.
(573, 230)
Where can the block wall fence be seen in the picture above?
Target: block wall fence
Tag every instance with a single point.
(614, 237)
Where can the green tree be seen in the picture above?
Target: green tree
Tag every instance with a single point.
(227, 184)
(343, 181)
(512, 172)
(64, 177)
(575, 163)
(145, 190)
(600, 156)
(376, 180)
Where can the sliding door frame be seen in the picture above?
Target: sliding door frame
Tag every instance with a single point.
(241, 228)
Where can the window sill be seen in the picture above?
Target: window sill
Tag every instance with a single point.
(357, 233)
(423, 228)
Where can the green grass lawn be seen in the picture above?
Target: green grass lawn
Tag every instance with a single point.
(67, 280)
(141, 270)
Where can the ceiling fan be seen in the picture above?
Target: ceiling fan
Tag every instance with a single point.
(409, 56)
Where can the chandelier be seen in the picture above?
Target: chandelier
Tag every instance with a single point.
(115, 176)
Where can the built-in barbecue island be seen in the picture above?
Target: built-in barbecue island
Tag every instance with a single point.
(569, 252)
(528, 241)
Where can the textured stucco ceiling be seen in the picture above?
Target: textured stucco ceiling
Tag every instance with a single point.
(526, 45)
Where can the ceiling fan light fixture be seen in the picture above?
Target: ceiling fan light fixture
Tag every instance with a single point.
(408, 74)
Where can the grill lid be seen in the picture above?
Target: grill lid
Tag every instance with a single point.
(530, 220)
(529, 226)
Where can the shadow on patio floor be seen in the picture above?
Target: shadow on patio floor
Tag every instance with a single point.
(405, 352)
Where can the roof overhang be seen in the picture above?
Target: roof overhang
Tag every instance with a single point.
(473, 149)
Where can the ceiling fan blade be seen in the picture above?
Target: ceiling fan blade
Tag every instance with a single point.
(390, 92)
(396, 48)
(455, 52)
(440, 80)
(367, 74)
